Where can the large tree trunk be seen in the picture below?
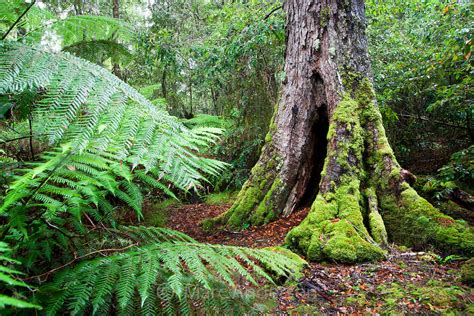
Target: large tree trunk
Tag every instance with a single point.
(327, 149)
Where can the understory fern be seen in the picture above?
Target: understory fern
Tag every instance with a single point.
(9, 280)
(164, 277)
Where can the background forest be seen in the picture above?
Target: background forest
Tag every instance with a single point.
(113, 111)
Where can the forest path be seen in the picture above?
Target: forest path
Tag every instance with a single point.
(406, 283)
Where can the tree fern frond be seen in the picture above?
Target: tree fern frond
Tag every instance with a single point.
(103, 130)
(166, 269)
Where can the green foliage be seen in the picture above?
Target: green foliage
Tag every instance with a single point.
(94, 110)
(458, 173)
(164, 277)
(9, 280)
(100, 39)
(110, 143)
(460, 168)
(421, 55)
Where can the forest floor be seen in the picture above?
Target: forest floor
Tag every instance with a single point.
(406, 283)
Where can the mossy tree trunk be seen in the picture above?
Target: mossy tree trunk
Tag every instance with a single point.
(327, 149)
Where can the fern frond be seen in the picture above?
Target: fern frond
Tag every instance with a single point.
(9, 279)
(171, 272)
(90, 109)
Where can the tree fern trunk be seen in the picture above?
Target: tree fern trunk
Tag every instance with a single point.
(327, 149)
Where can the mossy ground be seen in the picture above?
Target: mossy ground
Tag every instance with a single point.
(403, 285)
(467, 272)
(156, 213)
(407, 283)
(217, 198)
(300, 262)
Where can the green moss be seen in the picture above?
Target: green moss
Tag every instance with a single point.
(467, 272)
(438, 293)
(376, 223)
(414, 222)
(156, 214)
(365, 95)
(221, 198)
(265, 211)
(247, 199)
(268, 137)
(443, 296)
(334, 229)
(359, 299)
(349, 77)
(324, 17)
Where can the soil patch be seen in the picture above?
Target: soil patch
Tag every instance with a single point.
(186, 218)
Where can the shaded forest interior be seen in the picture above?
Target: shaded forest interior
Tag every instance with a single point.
(126, 126)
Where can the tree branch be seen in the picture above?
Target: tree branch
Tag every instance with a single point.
(79, 258)
(269, 14)
(18, 20)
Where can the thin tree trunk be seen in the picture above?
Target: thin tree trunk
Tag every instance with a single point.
(164, 92)
(326, 148)
(78, 7)
(116, 14)
(190, 94)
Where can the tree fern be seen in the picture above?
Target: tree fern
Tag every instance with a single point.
(180, 275)
(107, 129)
(90, 108)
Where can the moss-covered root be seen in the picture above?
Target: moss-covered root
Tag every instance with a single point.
(258, 201)
(376, 223)
(334, 229)
(414, 222)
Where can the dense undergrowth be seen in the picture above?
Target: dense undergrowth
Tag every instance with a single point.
(104, 145)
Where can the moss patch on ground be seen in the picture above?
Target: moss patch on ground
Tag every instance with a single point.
(217, 198)
(156, 214)
(301, 264)
(467, 272)
(404, 285)
(437, 295)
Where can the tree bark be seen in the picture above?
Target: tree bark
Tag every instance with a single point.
(327, 149)
(116, 14)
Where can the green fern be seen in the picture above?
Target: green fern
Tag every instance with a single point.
(107, 129)
(9, 278)
(167, 276)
